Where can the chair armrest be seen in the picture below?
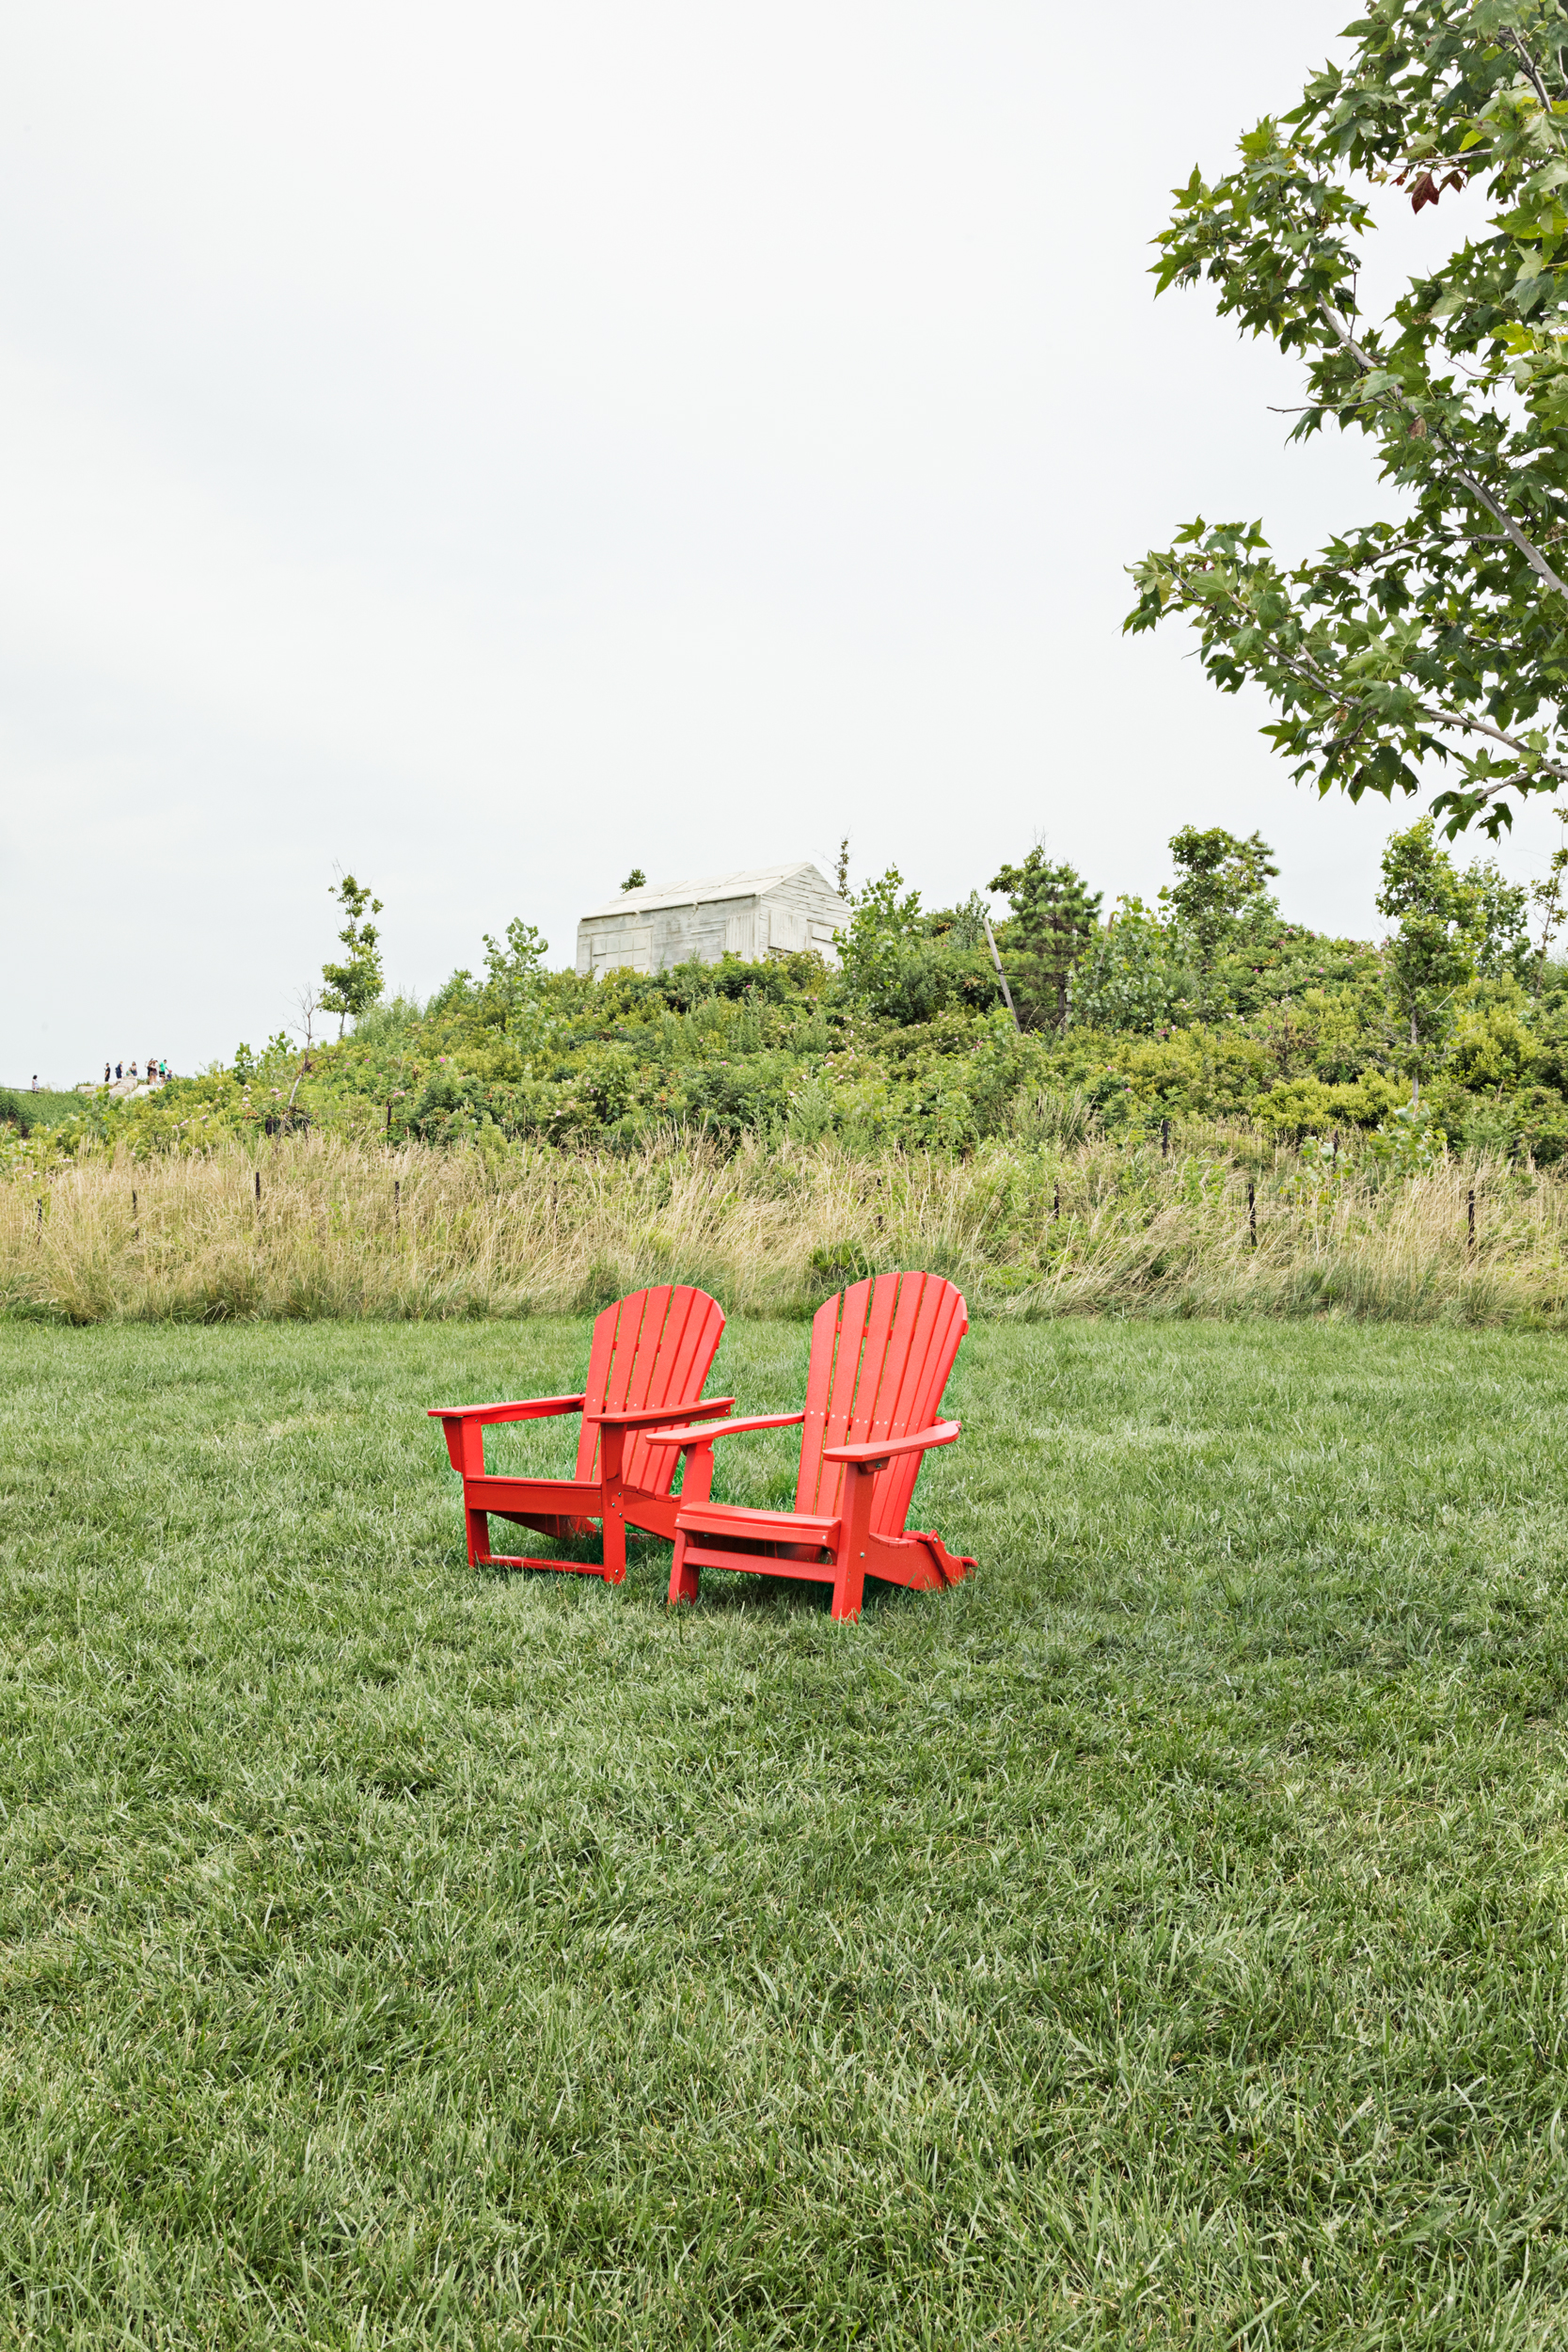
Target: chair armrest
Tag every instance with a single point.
(531, 1409)
(729, 1428)
(884, 1449)
(649, 1416)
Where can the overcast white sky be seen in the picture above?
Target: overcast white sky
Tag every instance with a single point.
(488, 447)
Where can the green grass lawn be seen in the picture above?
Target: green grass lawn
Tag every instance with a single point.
(1162, 1939)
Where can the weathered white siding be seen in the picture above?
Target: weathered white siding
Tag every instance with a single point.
(778, 911)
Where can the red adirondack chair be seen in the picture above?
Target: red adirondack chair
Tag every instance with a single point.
(650, 1356)
(880, 1353)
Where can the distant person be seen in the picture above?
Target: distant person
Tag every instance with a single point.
(119, 1073)
(162, 1071)
(105, 1074)
(35, 1082)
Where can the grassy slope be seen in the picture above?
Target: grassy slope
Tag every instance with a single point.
(48, 1108)
(1165, 1930)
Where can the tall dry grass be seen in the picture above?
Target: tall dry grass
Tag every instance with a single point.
(339, 1229)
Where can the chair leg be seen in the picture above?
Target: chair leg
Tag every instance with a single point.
(848, 1584)
(696, 1486)
(850, 1560)
(479, 1536)
(614, 1545)
(684, 1580)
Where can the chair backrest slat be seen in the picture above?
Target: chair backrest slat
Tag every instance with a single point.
(880, 1353)
(939, 1326)
(838, 1427)
(820, 1381)
(692, 1334)
(652, 1347)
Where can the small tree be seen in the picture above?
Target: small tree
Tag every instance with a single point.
(354, 985)
(512, 970)
(841, 871)
(1547, 895)
(1055, 916)
(961, 925)
(1501, 920)
(1434, 953)
(882, 924)
(1136, 974)
(1223, 881)
(636, 880)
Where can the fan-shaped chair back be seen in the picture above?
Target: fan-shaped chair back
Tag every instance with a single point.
(880, 1353)
(652, 1347)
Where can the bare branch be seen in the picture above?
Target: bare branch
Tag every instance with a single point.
(309, 1004)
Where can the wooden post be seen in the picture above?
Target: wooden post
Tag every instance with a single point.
(1056, 1203)
(136, 1229)
(1007, 992)
(388, 1117)
(1471, 1217)
(38, 1236)
(1252, 1212)
(397, 1206)
(1165, 1138)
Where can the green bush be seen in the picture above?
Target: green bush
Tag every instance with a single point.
(1209, 1006)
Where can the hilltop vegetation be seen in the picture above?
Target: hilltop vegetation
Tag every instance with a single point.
(1210, 1005)
(1195, 1108)
(22, 1108)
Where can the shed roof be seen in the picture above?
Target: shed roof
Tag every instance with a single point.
(753, 883)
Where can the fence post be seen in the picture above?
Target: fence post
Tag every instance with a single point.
(258, 1187)
(397, 1207)
(1165, 1138)
(1471, 1217)
(136, 1229)
(1252, 1212)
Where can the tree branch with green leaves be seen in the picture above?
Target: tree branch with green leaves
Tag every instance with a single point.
(1443, 636)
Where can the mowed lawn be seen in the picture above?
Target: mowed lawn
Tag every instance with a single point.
(1162, 1940)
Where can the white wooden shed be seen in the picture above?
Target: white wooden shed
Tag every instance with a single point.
(773, 910)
